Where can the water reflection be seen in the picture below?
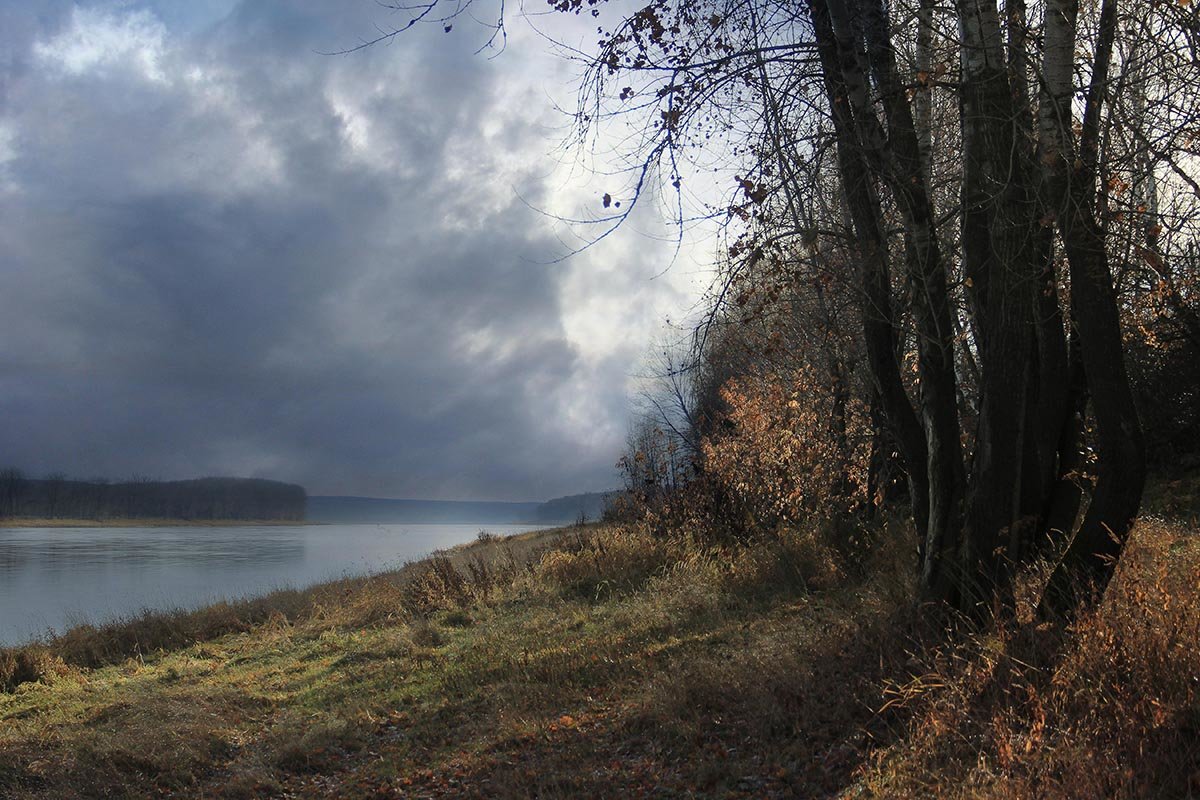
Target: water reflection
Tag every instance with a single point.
(11, 561)
(52, 578)
(178, 551)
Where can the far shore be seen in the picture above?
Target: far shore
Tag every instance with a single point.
(39, 522)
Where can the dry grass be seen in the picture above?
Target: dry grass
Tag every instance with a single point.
(612, 662)
(1110, 708)
(1175, 498)
(28, 664)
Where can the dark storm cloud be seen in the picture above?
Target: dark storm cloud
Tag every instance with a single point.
(225, 253)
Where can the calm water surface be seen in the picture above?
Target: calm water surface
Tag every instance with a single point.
(54, 578)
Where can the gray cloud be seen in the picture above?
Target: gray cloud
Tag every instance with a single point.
(226, 253)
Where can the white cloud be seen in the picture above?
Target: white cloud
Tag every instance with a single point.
(8, 153)
(98, 38)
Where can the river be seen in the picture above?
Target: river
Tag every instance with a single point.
(52, 579)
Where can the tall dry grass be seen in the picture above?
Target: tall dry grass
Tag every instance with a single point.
(1109, 707)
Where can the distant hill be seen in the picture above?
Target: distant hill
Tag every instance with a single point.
(384, 510)
(561, 510)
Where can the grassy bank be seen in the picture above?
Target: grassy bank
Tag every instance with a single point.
(606, 662)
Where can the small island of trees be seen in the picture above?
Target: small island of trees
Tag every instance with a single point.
(57, 497)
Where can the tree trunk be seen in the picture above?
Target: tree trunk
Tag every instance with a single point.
(902, 167)
(1088, 563)
(878, 317)
(999, 253)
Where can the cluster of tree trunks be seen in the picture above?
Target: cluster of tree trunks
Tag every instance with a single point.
(1020, 186)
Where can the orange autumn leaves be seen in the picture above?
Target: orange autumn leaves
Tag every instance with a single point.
(790, 448)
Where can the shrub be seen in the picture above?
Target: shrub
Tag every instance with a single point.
(438, 584)
(26, 665)
(594, 565)
(786, 455)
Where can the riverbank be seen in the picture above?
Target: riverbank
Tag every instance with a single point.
(138, 522)
(610, 662)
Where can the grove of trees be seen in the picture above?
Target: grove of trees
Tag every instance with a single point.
(56, 497)
(960, 263)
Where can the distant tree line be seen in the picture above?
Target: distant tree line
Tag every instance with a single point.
(586, 507)
(56, 497)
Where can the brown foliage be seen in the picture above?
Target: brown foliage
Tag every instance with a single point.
(781, 459)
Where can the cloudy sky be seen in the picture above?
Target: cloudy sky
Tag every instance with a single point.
(222, 252)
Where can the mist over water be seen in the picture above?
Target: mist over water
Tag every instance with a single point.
(54, 578)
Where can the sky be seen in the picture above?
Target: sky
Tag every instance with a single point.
(225, 252)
